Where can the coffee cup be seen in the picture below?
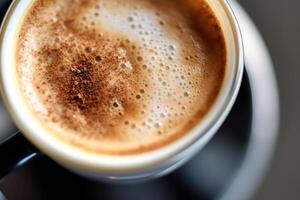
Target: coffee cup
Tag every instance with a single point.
(116, 166)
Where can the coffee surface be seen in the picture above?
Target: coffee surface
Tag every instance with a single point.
(120, 76)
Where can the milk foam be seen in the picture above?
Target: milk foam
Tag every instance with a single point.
(115, 76)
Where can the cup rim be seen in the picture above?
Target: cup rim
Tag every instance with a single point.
(132, 163)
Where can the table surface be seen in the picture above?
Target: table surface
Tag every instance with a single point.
(278, 22)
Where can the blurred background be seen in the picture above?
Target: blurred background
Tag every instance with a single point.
(278, 21)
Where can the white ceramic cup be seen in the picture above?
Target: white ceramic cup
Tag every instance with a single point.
(120, 168)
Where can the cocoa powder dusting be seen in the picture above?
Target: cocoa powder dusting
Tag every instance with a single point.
(89, 87)
(80, 89)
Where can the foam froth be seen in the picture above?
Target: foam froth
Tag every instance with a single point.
(120, 77)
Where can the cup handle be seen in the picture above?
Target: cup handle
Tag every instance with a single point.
(14, 152)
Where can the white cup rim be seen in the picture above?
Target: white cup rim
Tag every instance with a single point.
(74, 158)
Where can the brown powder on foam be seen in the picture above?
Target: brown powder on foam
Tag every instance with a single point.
(89, 82)
(76, 87)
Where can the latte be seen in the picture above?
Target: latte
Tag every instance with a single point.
(120, 77)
